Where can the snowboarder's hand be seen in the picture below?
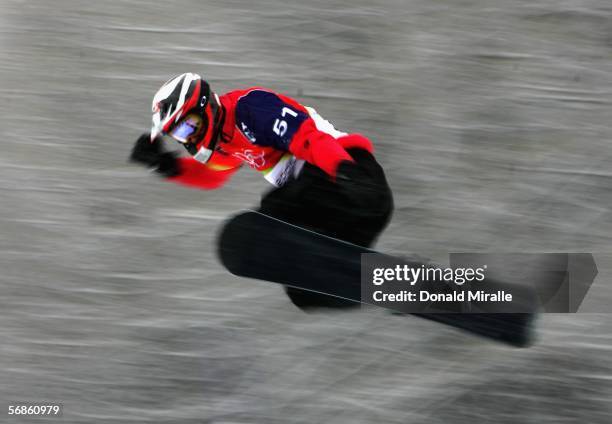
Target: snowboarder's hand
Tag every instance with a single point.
(150, 154)
(145, 151)
(168, 165)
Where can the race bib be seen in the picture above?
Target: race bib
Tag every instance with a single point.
(287, 168)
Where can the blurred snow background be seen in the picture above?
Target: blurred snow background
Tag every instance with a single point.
(492, 119)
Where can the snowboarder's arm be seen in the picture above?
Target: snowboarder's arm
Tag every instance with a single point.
(183, 170)
(322, 149)
(207, 176)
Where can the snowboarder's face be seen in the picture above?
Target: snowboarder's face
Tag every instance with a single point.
(199, 128)
(189, 130)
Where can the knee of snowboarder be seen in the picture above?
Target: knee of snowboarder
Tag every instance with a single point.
(375, 193)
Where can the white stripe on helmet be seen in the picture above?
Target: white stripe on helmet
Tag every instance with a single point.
(189, 78)
(166, 91)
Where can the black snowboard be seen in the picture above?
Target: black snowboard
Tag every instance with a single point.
(254, 245)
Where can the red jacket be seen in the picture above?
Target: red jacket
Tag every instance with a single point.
(267, 130)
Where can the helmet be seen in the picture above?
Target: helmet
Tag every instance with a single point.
(187, 110)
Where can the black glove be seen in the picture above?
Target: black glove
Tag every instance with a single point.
(145, 151)
(150, 154)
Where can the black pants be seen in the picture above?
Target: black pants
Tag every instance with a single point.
(315, 202)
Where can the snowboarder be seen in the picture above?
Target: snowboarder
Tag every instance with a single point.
(325, 180)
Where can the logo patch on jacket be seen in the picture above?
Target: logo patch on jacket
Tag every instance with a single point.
(248, 133)
(255, 159)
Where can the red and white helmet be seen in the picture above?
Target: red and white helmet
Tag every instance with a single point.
(185, 109)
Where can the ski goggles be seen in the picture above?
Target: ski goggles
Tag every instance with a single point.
(189, 129)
